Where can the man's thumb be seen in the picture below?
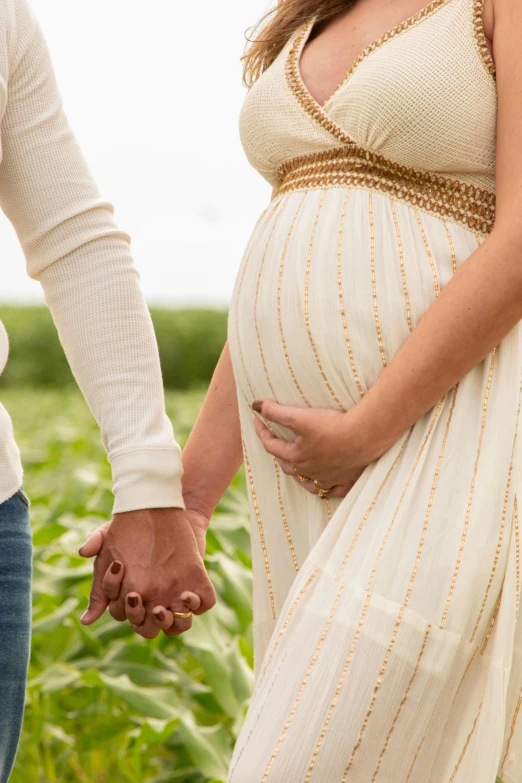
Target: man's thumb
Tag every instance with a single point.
(98, 603)
(94, 542)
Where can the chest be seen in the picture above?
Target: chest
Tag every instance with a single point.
(333, 49)
(422, 94)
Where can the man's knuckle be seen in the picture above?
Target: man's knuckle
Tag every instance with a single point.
(209, 598)
(194, 575)
(208, 594)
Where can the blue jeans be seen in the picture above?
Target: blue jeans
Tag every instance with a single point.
(15, 623)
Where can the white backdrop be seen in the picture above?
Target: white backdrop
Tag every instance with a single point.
(153, 91)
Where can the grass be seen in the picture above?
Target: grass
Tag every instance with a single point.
(104, 704)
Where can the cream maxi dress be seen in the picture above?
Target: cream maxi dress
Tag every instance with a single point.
(387, 628)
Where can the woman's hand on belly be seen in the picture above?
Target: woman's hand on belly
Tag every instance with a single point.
(327, 448)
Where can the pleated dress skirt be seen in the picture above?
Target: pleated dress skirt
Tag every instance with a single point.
(386, 624)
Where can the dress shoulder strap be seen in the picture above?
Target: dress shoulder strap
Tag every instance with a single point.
(480, 36)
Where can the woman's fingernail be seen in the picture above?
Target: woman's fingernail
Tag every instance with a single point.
(158, 614)
(84, 615)
(187, 601)
(115, 568)
(257, 406)
(133, 601)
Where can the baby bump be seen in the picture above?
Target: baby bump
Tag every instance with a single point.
(331, 284)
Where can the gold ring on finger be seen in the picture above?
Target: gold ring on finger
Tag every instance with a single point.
(320, 490)
(182, 614)
(302, 479)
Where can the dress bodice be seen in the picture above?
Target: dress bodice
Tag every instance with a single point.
(422, 97)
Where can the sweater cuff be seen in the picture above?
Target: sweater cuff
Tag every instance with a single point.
(150, 478)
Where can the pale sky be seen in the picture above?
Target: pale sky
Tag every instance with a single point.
(153, 91)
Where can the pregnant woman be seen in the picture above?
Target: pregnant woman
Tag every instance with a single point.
(387, 637)
(375, 330)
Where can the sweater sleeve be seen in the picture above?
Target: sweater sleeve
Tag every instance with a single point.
(83, 261)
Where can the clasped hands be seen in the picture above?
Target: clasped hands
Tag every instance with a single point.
(149, 564)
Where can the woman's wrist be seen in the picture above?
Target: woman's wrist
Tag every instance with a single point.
(197, 504)
(367, 433)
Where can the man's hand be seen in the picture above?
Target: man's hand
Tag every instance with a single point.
(160, 558)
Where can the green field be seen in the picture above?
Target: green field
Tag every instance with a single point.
(104, 704)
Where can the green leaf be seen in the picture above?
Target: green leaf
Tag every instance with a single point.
(237, 586)
(153, 702)
(89, 643)
(55, 678)
(208, 747)
(141, 664)
(241, 675)
(47, 534)
(52, 621)
(155, 732)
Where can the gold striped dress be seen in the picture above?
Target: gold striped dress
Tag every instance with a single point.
(386, 625)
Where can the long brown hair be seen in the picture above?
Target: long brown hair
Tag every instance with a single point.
(276, 27)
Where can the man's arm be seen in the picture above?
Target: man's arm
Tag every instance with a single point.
(83, 261)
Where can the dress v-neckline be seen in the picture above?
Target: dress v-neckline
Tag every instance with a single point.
(304, 34)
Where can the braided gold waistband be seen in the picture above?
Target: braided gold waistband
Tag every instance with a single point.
(470, 206)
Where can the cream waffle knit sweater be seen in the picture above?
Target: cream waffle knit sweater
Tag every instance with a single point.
(83, 261)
